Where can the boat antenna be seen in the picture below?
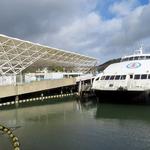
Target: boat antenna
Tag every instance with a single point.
(140, 50)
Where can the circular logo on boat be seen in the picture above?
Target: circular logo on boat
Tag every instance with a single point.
(134, 65)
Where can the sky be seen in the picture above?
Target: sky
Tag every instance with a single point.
(104, 29)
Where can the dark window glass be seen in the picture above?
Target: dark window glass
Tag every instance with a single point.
(149, 76)
(131, 76)
(103, 77)
(97, 79)
(112, 77)
(136, 58)
(144, 76)
(131, 58)
(125, 59)
(147, 57)
(107, 77)
(117, 77)
(141, 57)
(137, 76)
(123, 77)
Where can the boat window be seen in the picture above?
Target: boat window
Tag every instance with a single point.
(117, 77)
(144, 76)
(131, 76)
(112, 77)
(107, 77)
(137, 76)
(149, 76)
(123, 77)
(131, 58)
(103, 77)
(136, 58)
(125, 59)
(97, 79)
(141, 57)
(147, 57)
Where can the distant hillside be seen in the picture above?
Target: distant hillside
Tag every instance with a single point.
(104, 65)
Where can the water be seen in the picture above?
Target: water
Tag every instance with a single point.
(71, 125)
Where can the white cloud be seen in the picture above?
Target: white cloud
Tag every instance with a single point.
(124, 7)
(77, 26)
(104, 39)
(134, 27)
(79, 33)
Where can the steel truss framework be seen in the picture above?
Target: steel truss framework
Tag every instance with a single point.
(16, 55)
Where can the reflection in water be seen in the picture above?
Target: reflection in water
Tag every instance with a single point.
(132, 112)
(75, 125)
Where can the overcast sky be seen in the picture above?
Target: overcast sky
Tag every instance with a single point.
(104, 29)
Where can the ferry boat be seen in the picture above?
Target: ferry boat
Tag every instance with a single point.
(126, 80)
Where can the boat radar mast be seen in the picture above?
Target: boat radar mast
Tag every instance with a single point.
(139, 51)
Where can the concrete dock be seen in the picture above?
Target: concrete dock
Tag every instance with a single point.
(19, 89)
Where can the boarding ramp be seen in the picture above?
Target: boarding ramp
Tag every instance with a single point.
(85, 84)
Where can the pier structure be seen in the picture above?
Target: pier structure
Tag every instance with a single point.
(19, 58)
(84, 85)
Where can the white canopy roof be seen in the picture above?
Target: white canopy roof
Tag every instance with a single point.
(16, 55)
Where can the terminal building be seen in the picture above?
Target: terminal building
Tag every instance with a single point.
(24, 61)
(27, 67)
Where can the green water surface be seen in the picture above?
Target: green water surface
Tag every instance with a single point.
(75, 126)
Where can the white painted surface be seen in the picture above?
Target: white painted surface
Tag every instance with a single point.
(132, 67)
